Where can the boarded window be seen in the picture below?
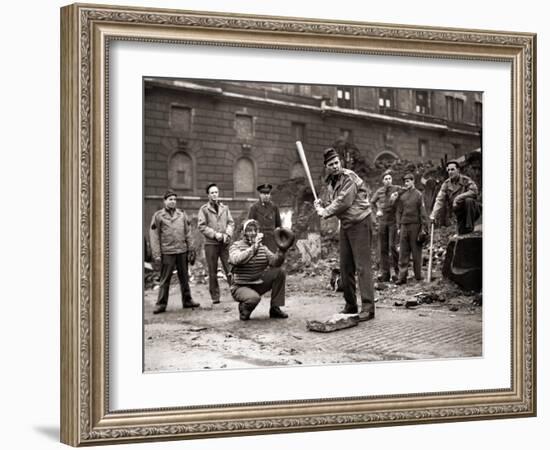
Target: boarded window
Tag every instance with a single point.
(455, 109)
(244, 179)
(180, 118)
(478, 110)
(422, 147)
(244, 126)
(459, 116)
(449, 101)
(298, 131)
(180, 171)
(422, 102)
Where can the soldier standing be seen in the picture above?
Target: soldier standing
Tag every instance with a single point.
(216, 224)
(411, 217)
(387, 229)
(171, 248)
(349, 202)
(266, 213)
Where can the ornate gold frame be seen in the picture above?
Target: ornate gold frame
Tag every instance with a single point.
(86, 31)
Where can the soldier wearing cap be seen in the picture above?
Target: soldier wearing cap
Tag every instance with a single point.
(348, 200)
(266, 213)
(411, 219)
(171, 247)
(460, 192)
(384, 204)
(216, 224)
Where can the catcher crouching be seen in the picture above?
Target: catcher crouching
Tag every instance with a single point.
(257, 270)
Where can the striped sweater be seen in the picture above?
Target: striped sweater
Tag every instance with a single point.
(248, 266)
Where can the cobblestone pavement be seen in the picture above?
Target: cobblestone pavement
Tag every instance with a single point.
(213, 337)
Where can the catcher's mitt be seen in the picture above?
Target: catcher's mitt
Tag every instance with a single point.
(284, 238)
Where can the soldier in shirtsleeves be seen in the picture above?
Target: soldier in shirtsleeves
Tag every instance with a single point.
(216, 224)
(171, 248)
(266, 213)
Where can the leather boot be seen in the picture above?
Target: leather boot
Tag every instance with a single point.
(190, 304)
(349, 309)
(244, 311)
(159, 309)
(276, 313)
(367, 311)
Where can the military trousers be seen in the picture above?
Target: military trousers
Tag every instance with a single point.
(408, 234)
(168, 264)
(387, 246)
(213, 252)
(355, 257)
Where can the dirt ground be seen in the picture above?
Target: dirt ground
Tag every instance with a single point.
(407, 326)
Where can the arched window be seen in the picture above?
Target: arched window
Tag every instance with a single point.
(385, 160)
(386, 157)
(180, 171)
(244, 177)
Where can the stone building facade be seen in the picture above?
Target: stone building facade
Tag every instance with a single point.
(241, 134)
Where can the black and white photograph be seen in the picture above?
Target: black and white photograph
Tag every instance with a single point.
(306, 224)
(121, 116)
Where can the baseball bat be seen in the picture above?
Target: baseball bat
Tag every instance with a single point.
(302, 154)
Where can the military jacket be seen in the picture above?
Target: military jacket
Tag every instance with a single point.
(452, 191)
(169, 232)
(381, 200)
(348, 198)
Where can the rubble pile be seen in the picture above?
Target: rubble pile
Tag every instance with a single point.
(440, 293)
(441, 239)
